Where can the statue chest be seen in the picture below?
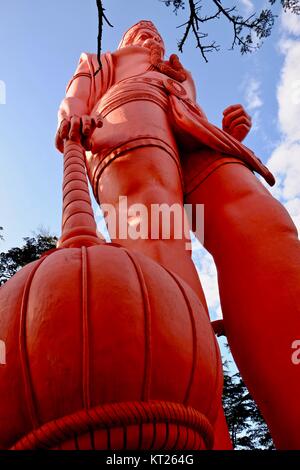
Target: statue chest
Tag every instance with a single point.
(130, 62)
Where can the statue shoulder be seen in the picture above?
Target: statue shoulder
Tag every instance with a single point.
(87, 57)
(89, 60)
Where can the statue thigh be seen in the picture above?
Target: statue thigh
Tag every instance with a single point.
(257, 253)
(148, 175)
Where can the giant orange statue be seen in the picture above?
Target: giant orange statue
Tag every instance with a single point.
(157, 146)
(106, 349)
(128, 320)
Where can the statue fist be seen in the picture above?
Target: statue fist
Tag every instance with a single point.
(236, 121)
(78, 129)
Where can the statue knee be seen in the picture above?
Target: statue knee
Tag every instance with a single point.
(252, 218)
(258, 216)
(255, 208)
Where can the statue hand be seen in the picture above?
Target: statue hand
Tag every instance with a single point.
(78, 129)
(236, 121)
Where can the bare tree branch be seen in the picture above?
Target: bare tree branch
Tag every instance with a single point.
(193, 24)
(101, 17)
(248, 32)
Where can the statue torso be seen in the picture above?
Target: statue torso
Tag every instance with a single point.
(134, 109)
(134, 61)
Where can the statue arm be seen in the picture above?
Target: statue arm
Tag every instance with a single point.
(74, 119)
(236, 122)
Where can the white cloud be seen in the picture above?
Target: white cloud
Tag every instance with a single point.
(293, 207)
(288, 93)
(290, 23)
(285, 159)
(253, 100)
(285, 163)
(208, 275)
(253, 94)
(248, 6)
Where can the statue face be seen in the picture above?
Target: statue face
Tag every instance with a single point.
(145, 38)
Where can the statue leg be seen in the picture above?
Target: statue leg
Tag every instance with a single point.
(149, 176)
(257, 253)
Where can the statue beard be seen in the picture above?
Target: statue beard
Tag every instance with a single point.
(172, 67)
(154, 45)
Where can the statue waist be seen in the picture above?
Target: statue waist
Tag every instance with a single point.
(128, 91)
(156, 89)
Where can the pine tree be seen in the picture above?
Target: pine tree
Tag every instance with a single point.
(247, 427)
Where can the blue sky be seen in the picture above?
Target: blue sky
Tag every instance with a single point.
(40, 43)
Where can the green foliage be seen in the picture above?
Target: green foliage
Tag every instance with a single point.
(15, 258)
(247, 427)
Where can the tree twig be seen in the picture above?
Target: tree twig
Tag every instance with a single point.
(248, 32)
(101, 17)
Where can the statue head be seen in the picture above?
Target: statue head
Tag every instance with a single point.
(142, 34)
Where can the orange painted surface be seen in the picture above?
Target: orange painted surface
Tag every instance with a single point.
(109, 346)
